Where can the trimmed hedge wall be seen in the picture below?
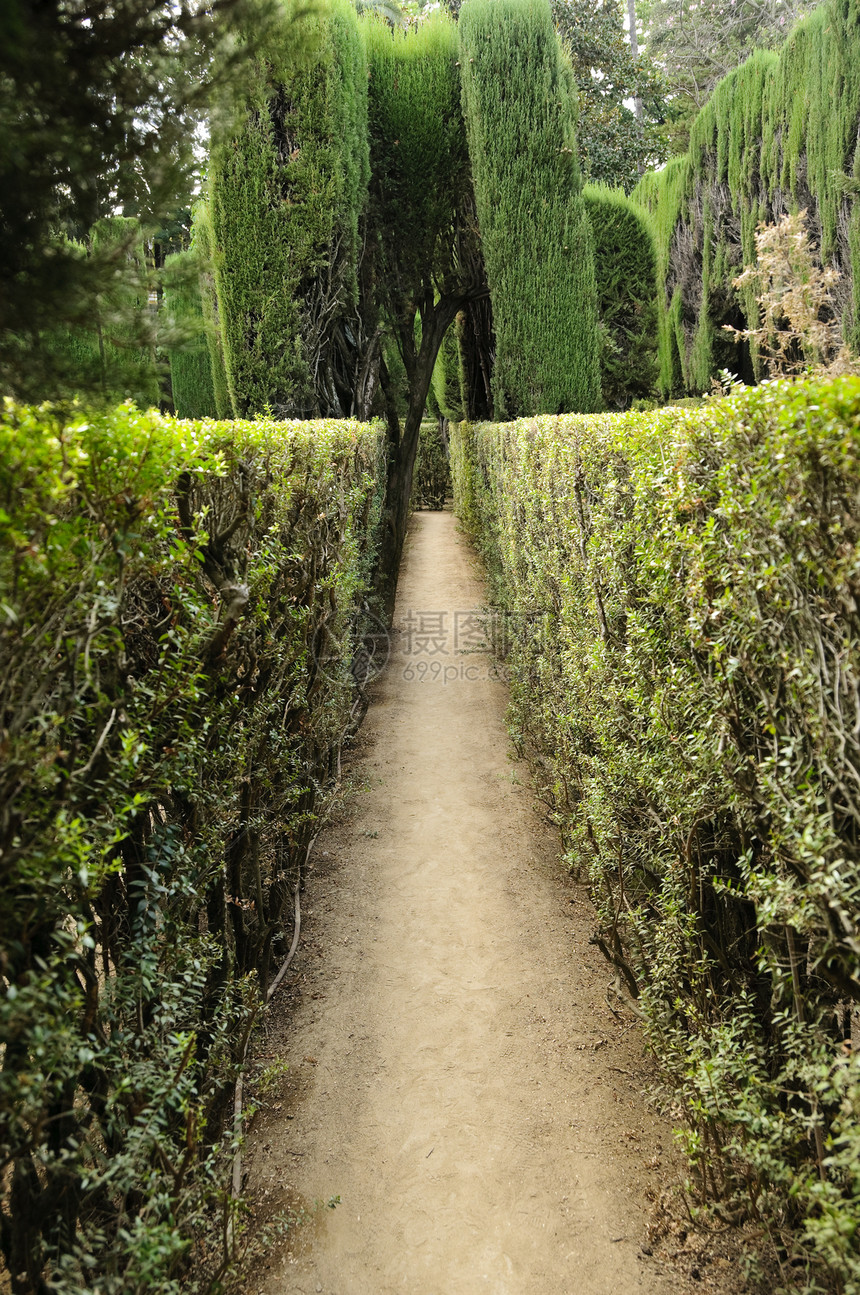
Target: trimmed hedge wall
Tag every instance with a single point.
(519, 101)
(180, 605)
(203, 246)
(418, 150)
(682, 591)
(446, 390)
(625, 271)
(780, 133)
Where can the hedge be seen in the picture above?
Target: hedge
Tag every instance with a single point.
(431, 482)
(681, 592)
(179, 619)
(203, 246)
(779, 133)
(519, 102)
(625, 271)
(446, 390)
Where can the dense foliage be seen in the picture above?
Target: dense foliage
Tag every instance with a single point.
(682, 593)
(431, 483)
(109, 352)
(780, 133)
(99, 105)
(204, 248)
(180, 605)
(286, 194)
(519, 101)
(183, 331)
(625, 271)
(446, 392)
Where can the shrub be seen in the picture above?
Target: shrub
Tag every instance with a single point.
(681, 589)
(798, 331)
(179, 610)
(519, 101)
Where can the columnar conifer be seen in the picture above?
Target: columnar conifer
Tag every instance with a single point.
(286, 194)
(519, 101)
(779, 133)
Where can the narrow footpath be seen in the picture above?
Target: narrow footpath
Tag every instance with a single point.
(456, 1075)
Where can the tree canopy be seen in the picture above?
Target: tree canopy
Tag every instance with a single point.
(615, 143)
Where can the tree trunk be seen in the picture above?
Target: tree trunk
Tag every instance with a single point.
(403, 446)
(634, 50)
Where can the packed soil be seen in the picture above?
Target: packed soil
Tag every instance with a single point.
(460, 1075)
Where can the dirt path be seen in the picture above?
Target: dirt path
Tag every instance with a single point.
(456, 1076)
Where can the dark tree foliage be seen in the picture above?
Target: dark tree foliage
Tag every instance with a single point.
(615, 145)
(98, 107)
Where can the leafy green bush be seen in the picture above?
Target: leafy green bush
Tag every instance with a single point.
(682, 591)
(179, 606)
(519, 102)
(625, 271)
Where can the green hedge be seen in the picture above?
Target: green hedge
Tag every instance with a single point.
(418, 154)
(203, 246)
(625, 271)
(779, 133)
(519, 102)
(682, 599)
(179, 606)
(446, 390)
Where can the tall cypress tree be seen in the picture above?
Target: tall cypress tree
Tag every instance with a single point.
(519, 102)
(286, 194)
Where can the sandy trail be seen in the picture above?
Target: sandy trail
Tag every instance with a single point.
(456, 1076)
